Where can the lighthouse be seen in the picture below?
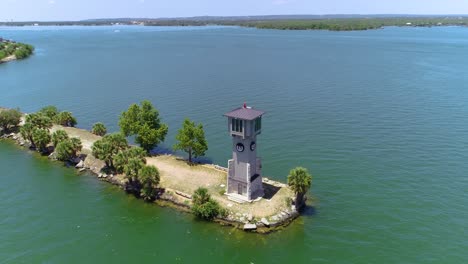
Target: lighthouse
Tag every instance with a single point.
(244, 179)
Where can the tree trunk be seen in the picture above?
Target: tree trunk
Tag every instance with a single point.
(299, 201)
(190, 155)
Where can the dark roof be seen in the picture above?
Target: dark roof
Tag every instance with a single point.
(245, 113)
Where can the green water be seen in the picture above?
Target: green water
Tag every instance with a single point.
(379, 117)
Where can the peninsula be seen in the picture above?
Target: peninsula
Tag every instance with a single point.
(169, 180)
(11, 50)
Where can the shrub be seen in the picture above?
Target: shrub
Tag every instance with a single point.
(99, 129)
(204, 206)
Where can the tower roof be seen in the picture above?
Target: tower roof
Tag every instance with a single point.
(245, 112)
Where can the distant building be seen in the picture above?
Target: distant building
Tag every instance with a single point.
(245, 168)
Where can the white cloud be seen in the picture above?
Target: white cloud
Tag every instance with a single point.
(51, 2)
(142, 1)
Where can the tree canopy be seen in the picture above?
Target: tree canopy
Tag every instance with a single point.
(26, 132)
(121, 160)
(144, 123)
(9, 119)
(191, 139)
(300, 180)
(50, 111)
(39, 120)
(99, 129)
(67, 148)
(149, 179)
(65, 118)
(106, 148)
(41, 138)
(59, 136)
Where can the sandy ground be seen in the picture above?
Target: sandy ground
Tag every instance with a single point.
(87, 138)
(177, 174)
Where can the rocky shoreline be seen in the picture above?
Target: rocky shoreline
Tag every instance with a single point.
(178, 199)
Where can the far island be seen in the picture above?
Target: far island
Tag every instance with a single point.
(280, 22)
(11, 50)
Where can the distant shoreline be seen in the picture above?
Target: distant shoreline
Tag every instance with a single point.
(331, 23)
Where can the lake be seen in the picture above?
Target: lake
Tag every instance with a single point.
(379, 117)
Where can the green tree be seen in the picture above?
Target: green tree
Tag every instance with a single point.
(143, 122)
(41, 139)
(9, 119)
(99, 129)
(122, 158)
(300, 180)
(191, 139)
(59, 136)
(68, 148)
(148, 176)
(26, 132)
(106, 148)
(50, 111)
(39, 120)
(132, 168)
(204, 206)
(65, 118)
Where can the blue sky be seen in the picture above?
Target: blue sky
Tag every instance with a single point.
(21, 10)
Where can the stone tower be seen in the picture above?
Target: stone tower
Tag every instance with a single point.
(244, 169)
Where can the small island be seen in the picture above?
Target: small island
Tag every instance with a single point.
(11, 50)
(237, 196)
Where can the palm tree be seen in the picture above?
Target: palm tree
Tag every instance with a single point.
(300, 180)
(26, 132)
(59, 136)
(201, 196)
(65, 119)
(149, 179)
(41, 138)
(99, 129)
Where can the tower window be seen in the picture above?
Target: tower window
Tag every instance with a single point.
(258, 124)
(237, 125)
